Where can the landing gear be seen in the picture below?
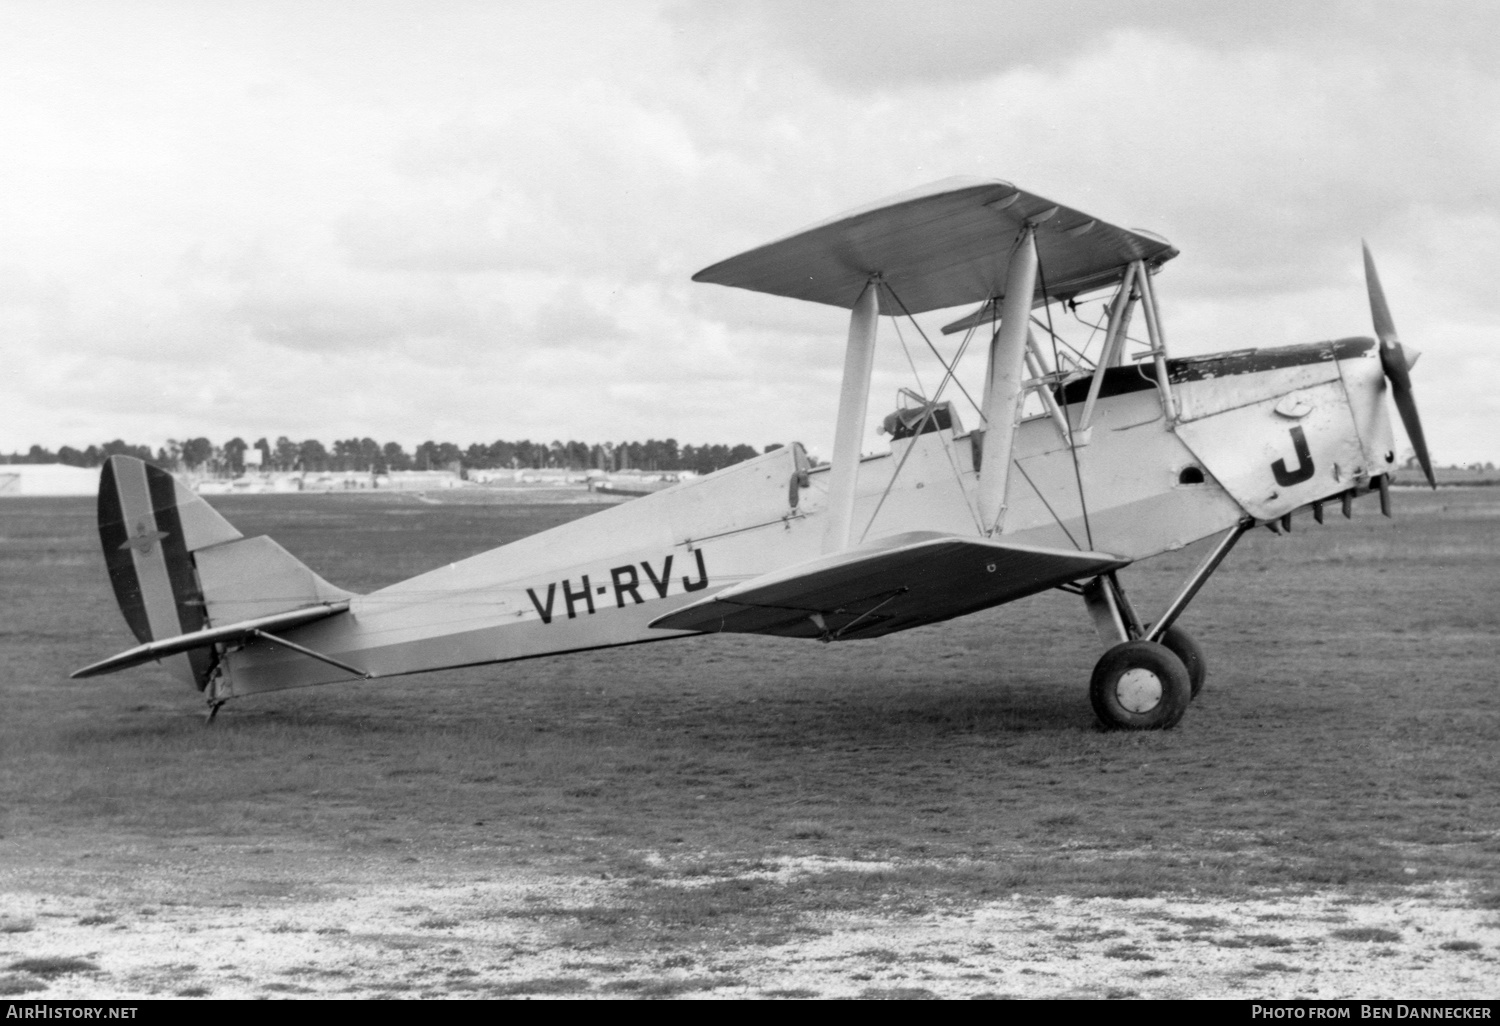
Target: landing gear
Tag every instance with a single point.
(217, 691)
(1140, 685)
(1134, 686)
(1185, 648)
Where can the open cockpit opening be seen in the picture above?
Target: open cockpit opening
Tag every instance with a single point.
(910, 421)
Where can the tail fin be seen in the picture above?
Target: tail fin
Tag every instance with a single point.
(179, 568)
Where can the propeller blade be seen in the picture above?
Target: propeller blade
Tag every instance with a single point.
(1406, 404)
(1396, 365)
(1385, 328)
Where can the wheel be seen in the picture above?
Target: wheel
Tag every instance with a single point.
(1140, 685)
(1185, 648)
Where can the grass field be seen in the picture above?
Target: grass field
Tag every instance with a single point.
(1349, 738)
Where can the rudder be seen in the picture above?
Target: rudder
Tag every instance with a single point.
(149, 526)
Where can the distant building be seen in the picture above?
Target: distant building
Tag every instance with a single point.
(249, 484)
(419, 480)
(636, 482)
(47, 479)
(488, 476)
(551, 476)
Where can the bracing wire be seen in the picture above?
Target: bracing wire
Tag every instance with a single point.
(1058, 339)
(1093, 326)
(951, 370)
(931, 408)
(1088, 530)
(1050, 510)
(909, 361)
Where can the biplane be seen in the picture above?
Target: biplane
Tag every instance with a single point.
(1082, 461)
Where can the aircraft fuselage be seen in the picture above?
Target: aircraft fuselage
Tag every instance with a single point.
(1253, 433)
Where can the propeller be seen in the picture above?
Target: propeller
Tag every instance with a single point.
(1394, 361)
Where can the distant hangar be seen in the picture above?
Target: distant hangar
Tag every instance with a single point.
(47, 479)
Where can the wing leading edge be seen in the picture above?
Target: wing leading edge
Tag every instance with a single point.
(897, 583)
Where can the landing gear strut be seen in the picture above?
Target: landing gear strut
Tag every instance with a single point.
(1146, 680)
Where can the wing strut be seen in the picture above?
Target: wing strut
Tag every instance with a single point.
(1114, 345)
(1002, 399)
(854, 404)
(1158, 341)
(1038, 368)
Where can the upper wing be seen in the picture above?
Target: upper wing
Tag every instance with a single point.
(938, 246)
(891, 585)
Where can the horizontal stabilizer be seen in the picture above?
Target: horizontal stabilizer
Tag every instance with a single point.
(154, 650)
(897, 583)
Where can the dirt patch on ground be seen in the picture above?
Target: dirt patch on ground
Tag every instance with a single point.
(290, 930)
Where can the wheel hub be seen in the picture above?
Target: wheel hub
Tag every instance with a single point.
(1138, 690)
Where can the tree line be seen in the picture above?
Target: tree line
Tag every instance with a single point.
(368, 455)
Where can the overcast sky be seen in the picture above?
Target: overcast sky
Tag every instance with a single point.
(470, 221)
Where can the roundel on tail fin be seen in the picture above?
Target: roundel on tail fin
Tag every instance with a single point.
(149, 526)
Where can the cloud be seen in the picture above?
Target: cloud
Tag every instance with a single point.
(479, 221)
(890, 45)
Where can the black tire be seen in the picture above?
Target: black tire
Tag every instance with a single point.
(1185, 648)
(1140, 685)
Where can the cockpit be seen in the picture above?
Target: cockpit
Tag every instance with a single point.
(920, 419)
